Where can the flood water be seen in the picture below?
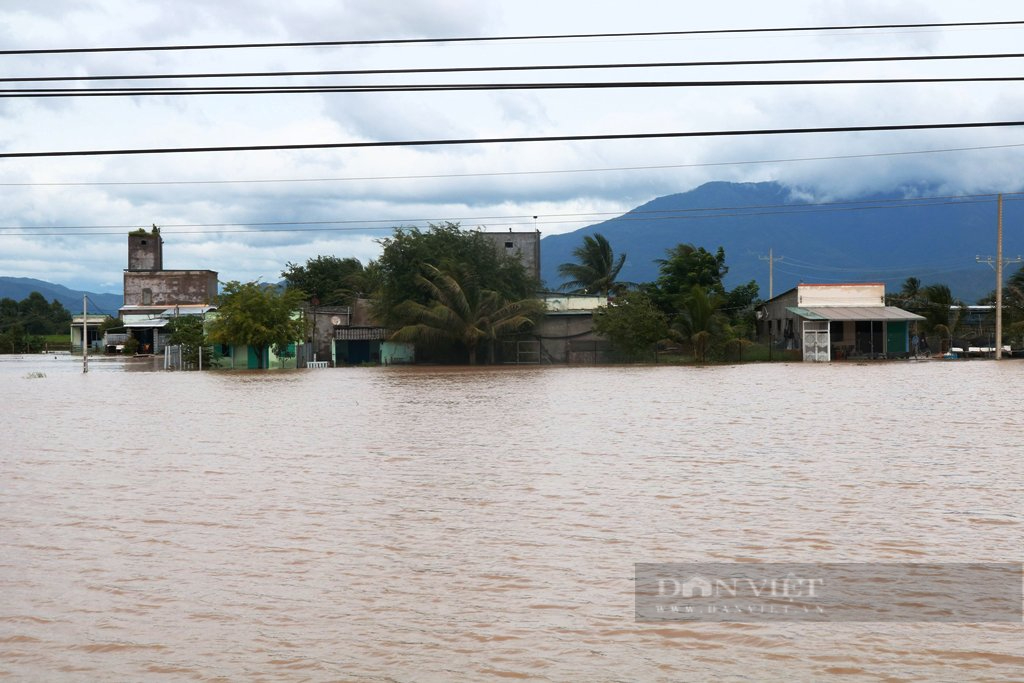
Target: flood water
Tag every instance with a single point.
(456, 524)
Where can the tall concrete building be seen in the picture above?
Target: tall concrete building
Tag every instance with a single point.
(522, 245)
(153, 294)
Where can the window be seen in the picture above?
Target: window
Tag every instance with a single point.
(147, 296)
(510, 245)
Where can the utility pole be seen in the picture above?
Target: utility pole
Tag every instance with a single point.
(771, 271)
(85, 334)
(998, 266)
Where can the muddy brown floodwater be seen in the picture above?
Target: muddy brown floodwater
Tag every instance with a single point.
(456, 524)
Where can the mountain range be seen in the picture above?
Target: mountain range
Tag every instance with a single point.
(914, 232)
(18, 288)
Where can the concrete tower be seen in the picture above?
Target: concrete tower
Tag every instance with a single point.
(145, 250)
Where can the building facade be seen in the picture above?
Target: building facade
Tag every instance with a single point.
(836, 321)
(153, 294)
(522, 245)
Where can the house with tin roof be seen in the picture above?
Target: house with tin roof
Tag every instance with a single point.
(837, 321)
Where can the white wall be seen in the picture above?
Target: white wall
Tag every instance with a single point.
(841, 295)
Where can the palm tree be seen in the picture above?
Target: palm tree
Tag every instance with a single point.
(942, 311)
(910, 292)
(699, 320)
(462, 312)
(596, 268)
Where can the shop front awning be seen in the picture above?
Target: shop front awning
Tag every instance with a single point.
(856, 313)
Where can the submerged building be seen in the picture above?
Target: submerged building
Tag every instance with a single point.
(153, 295)
(837, 321)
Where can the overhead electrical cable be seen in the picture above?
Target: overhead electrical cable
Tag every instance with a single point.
(649, 215)
(483, 39)
(435, 176)
(484, 69)
(510, 140)
(472, 87)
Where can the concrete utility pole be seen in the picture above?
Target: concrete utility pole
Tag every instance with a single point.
(85, 334)
(771, 271)
(998, 265)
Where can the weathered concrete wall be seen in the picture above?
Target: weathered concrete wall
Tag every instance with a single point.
(557, 331)
(145, 252)
(522, 245)
(169, 287)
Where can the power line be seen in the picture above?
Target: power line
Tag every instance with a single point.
(482, 39)
(474, 87)
(481, 141)
(650, 215)
(483, 69)
(434, 176)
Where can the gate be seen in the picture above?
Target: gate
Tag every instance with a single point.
(817, 341)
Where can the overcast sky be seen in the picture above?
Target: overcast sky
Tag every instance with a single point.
(566, 185)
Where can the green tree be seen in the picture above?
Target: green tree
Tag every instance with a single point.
(258, 316)
(632, 323)
(699, 321)
(189, 332)
(460, 311)
(686, 265)
(396, 274)
(327, 279)
(942, 311)
(596, 268)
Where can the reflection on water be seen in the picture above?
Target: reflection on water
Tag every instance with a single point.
(464, 524)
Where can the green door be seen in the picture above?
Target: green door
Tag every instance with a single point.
(896, 337)
(253, 365)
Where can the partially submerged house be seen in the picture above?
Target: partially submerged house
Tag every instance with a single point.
(91, 323)
(358, 338)
(566, 332)
(837, 321)
(153, 295)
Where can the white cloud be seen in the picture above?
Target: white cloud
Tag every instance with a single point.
(381, 187)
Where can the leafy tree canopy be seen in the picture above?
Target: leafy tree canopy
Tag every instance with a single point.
(686, 265)
(34, 314)
(409, 253)
(460, 311)
(632, 323)
(257, 315)
(328, 280)
(189, 331)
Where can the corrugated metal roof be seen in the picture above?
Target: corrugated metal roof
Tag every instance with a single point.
(159, 322)
(188, 309)
(805, 313)
(361, 333)
(854, 313)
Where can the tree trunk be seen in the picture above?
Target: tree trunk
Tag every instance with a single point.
(472, 354)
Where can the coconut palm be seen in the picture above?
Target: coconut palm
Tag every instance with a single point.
(461, 312)
(596, 268)
(910, 292)
(699, 320)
